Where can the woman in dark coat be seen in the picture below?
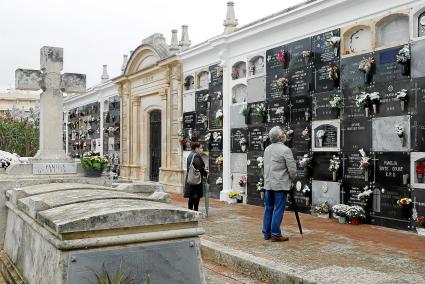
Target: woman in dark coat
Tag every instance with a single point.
(195, 192)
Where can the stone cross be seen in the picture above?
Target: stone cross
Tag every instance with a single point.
(52, 83)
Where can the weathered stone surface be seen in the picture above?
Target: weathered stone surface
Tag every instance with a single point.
(140, 187)
(238, 162)
(325, 191)
(384, 136)
(237, 120)
(256, 89)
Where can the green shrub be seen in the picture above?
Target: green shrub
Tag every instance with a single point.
(18, 137)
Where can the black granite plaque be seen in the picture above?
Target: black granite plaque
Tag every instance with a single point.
(189, 119)
(274, 116)
(353, 173)
(254, 174)
(387, 68)
(215, 143)
(235, 139)
(323, 82)
(302, 195)
(300, 53)
(322, 108)
(392, 168)
(323, 51)
(253, 166)
(351, 110)
(273, 92)
(351, 191)
(417, 95)
(254, 197)
(331, 136)
(351, 76)
(274, 62)
(201, 101)
(300, 142)
(301, 80)
(389, 104)
(321, 166)
(356, 134)
(201, 125)
(255, 138)
(303, 173)
(214, 169)
(300, 109)
(255, 117)
(417, 132)
(216, 75)
(216, 104)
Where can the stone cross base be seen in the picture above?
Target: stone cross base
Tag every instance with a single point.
(46, 167)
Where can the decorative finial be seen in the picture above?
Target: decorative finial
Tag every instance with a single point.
(174, 46)
(185, 42)
(105, 76)
(230, 23)
(124, 62)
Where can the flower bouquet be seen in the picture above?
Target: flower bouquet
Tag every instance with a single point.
(364, 197)
(420, 169)
(281, 57)
(402, 97)
(399, 130)
(260, 188)
(219, 118)
(282, 84)
(233, 194)
(289, 134)
(406, 205)
(246, 112)
(280, 112)
(363, 101)
(334, 42)
(305, 134)
(333, 74)
(306, 55)
(243, 143)
(242, 181)
(323, 210)
(336, 102)
(366, 66)
(355, 214)
(375, 99)
(219, 161)
(262, 111)
(420, 225)
(364, 164)
(403, 58)
(94, 164)
(307, 163)
(320, 134)
(219, 71)
(251, 69)
(219, 181)
(334, 166)
(260, 162)
(340, 211)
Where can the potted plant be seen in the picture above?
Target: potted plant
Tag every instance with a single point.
(334, 42)
(219, 118)
(322, 210)
(336, 102)
(375, 99)
(94, 164)
(403, 58)
(242, 181)
(420, 169)
(333, 74)
(366, 66)
(406, 205)
(399, 130)
(246, 112)
(282, 84)
(363, 101)
(335, 163)
(340, 211)
(402, 97)
(364, 164)
(420, 225)
(262, 111)
(355, 214)
(320, 134)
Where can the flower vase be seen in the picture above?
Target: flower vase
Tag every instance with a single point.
(247, 119)
(366, 175)
(264, 119)
(405, 179)
(406, 68)
(306, 59)
(355, 221)
(243, 148)
(262, 195)
(336, 83)
(336, 49)
(333, 176)
(342, 220)
(421, 232)
(375, 107)
(368, 78)
(320, 142)
(401, 140)
(92, 172)
(420, 178)
(366, 111)
(307, 116)
(407, 211)
(402, 105)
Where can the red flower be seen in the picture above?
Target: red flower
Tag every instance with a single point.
(281, 56)
(365, 166)
(420, 169)
(183, 141)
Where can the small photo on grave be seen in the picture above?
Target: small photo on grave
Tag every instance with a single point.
(328, 105)
(300, 53)
(356, 134)
(277, 85)
(391, 98)
(391, 133)
(326, 135)
(392, 64)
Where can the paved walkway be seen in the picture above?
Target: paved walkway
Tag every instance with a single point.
(328, 253)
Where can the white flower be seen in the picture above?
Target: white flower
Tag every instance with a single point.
(260, 162)
(218, 95)
(375, 96)
(366, 193)
(216, 136)
(320, 134)
(306, 189)
(399, 129)
(219, 181)
(298, 186)
(219, 114)
(208, 137)
(207, 97)
(248, 162)
(280, 111)
(306, 53)
(401, 95)
(242, 141)
(334, 40)
(335, 101)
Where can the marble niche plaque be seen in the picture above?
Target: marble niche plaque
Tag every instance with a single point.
(389, 104)
(189, 102)
(277, 119)
(384, 136)
(256, 88)
(273, 65)
(392, 169)
(351, 77)
(298, 51)
(387, 68)
(322, 108)
(417, 95)
(353, 174)
(255, 118)
(418, 58)
(331, 139)
(237, 120)
(298, 142)
(216, 103)
(300, 80)
(235, 183)
(325, 191)
(201, 101)
(322, 81)
(238, 163)
(273, 92)
(323, 51)
(189, 119)
(236, 135)
(300, 109)
(417, 131)
(351, 110)
(255, 135)
(417, 159)
(356, 135)
(216, 77)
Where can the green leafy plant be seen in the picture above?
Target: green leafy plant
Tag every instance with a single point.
(94, 161)
(119, 277)
(246, 111)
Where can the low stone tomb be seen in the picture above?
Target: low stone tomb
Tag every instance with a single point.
(69, 234)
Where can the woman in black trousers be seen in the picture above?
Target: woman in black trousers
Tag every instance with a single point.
(195, 192)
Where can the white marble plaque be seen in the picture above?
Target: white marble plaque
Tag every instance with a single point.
(237, 120)
(256, 89)
(54, 168)
(189, 102)
(238, 163)
(384, 136)
(326, 191)
(330, 140)
(418, 59)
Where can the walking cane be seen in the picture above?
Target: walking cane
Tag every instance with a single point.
(205, 186)
(295, 208)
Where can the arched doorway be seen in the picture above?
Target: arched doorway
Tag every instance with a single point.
(155, 144)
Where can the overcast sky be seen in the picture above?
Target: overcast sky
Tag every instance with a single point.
(97, 32)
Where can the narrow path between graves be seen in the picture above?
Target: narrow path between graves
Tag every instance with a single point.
(329, 252)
